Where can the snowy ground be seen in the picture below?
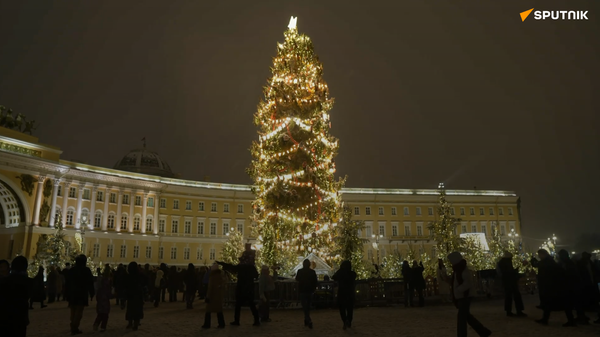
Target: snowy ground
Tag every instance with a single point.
(172, 319)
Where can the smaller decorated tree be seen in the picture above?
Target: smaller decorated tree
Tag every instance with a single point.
(391, 265)
(349, 245)
(233, 247)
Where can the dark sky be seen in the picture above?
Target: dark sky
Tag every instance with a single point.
(426, 91)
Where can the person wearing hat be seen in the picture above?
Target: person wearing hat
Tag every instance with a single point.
(462, 283)
(510, 281)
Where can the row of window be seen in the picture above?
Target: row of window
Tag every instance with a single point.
(464, 229)
(95, 253)
(187, 227)
(430, 211)
(201, 206)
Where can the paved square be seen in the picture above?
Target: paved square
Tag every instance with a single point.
(172, 319)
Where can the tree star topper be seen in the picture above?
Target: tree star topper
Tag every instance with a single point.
(292, 24)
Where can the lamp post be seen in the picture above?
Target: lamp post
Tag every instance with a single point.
(376, 245)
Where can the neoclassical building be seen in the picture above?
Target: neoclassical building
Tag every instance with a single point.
(140, 211)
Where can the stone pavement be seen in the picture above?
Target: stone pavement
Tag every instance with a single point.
(172, 319)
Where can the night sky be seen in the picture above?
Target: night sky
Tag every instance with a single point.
(426, 92)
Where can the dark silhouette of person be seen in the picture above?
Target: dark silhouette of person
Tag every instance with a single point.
(244, 292)
(159, 286)
(346, 279)
(134, 290)
(4, 269)
(307, 279)
(103, 293)
(214, 297)
(417, 282)
(38, 289)
(79, 288)
(191, 284)
(510, 282)
(572, 286)
(590, 295)
(552, 285)
(406, 275)
(462, 283)
(14, 299)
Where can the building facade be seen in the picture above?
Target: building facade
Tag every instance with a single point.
(138, 211)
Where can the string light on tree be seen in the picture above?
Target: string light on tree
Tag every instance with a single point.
(297, 201)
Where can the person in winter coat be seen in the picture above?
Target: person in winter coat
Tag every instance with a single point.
(103, 293)
(159, 285)
(214, 297)
(60, 284)
(14, 299)
(417, 282)
(173, 284)
(443, 282)
(590, 295)
(38, 291)
(307, 279)
(265, 286)
(346, 279)
(552, 285)
(191, 282)
(510, 281)
(79, 287)
(244, 292)
(134, 288)
(51, 281)
(163, 290)
(119, 282)
(462, 285)
(406, 276)
(572, 287)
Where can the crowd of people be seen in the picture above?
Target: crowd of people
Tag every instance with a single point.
(564, 285)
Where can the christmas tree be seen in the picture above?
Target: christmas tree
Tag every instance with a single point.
(297, 200)
(348, 245)
(233, 247)
(443, 229)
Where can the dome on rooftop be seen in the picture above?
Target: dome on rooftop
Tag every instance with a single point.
(145, 162)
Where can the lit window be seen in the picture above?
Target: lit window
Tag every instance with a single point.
(356, 210)
(138, 200)
(418, 211)
(367, 210)
(213, 207)
(175, 204)
(201, 206)
(188, 205)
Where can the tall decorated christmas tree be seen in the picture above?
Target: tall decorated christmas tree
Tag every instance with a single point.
(443, 229)
(297, 202)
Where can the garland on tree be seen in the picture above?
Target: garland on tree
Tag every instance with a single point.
(297, 200)
(443, 229)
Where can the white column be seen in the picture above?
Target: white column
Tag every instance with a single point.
(92, 215)
(65, 196)
(118, 217)
(144, 206)
(155, 220)
(78, 211)
(52, 214)
(105, 215)
(38, 200)
(131, 211)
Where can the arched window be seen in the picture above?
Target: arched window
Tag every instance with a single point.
(149, 224)
(98, 219)
(69, 220)
(136, 222)
(124, 222)
(111, 221)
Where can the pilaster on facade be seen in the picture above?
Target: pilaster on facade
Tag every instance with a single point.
(79, 202)
(119, 206)
(156, 217)
(144, 209)
(38, 200)
(92, 214)
(65, 197)
(105, 215)
(52, 215)
(131, 219)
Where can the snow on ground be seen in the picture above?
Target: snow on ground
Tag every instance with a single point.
(172, 319)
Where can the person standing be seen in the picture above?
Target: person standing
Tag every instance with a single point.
(214, 297)
(14, 299)
(406, 274)
(244, 292)
(51, 281)
(590, 295)
(443, 282)
(38, 291)
(79, 286)
(462, 283)
(346, 279)
(510, 282)
(134, 290)
(417, 282)
(307, 279)
(103, 292)
(265, 286)
(159, 286)
(191, 283)
(552, 284)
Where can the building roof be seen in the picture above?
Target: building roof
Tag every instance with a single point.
(145, 162)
